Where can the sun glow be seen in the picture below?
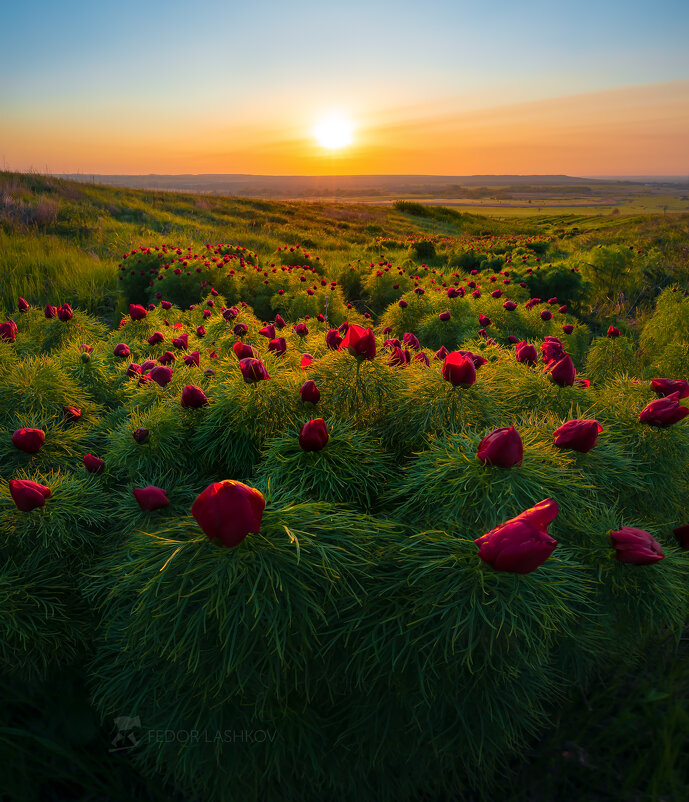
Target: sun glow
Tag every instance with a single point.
(333, 132)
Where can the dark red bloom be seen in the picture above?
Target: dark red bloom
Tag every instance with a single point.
(200, 331)
(146, 365)
(166, 358)
(278, 346)
(568, 328)
(333, 339)
(227, 511)
(150, 498)
(664, 411)
(268, 331)
(193, 397)
(459, 370)
(561, 371)
(477, 359)
(94, 464)
(240, 329)
(521, 544)
(155, 338)
(444, 316)
(65, 313)
(360, 342)
(510, 306)
(50, 311)
(28, 440)
(28, 495)
(552, 348)
(181, 342)
(525, 353)
(140, 435)
(301, 329)
(165, 305)
(122, 350)
(134, 369)
(22, 304)
(636, 546)
(137, 312)
(441, 353)
(665, 387)
(161, 375)
(306, 360)
(72, 413)
(421, 357)
(546, 314)
(253, 370)
(484, 321)
(502, 447)
(192, 359)
(578, 435)
(309, 392)
(8, 331)
(613, 331)
(280, 323)
(411, 340)
(399, 358)
(682, 535)
(244, 351)
(313, 435)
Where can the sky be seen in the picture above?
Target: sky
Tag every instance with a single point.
(444, 87)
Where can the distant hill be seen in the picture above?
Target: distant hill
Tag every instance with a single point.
(309, 186)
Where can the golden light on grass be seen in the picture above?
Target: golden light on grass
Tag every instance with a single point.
(333, 132)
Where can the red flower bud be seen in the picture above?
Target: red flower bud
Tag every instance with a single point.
(161, 375)
(313, 435)
(150, 498)
(665, 387)
(635, 546)
(459, 370)
(521, 544)
(8, 331)
(578, 435)
(444, 316)
(28, 495)
(193, 397)
(525, 353)
(22, 304)
(94, 464)
(441, 353)
(613, 331)
(50, 311)
(227, 511)
(244, 351)
(568, 328)
(682, 535)
(28, 440)
(561, 371)
(502, 447)
(140, 435)
(278, 346)
(280, 323)
(155, 338)
(65, 313)
(360, 342)
(268, 331)
(122, 350)
(166, 358)
(333, 339)
(253, 370)
(165, 305)
(137, 312)
(664, 411)
(72, 414)
(309, 392)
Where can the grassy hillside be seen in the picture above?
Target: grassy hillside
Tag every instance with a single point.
(63, 239)
(357, 619)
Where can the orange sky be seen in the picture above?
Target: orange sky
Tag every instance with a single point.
(636, 130)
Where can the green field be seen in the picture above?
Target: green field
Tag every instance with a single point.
(356, 621)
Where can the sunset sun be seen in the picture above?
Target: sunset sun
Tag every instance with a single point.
(333, 132)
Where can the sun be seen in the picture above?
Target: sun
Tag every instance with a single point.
(333, 132)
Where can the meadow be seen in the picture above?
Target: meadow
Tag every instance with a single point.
(340, 501)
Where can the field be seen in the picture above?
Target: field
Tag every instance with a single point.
(240, 558)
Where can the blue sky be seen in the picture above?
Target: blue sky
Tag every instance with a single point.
(274, 65)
